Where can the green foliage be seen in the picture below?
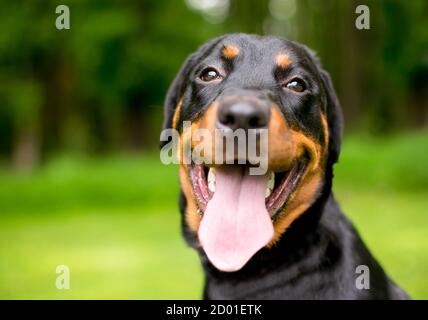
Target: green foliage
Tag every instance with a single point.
(21, 99)
(73, 182)
(392, 162)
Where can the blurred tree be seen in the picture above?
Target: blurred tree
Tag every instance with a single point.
(96, 86)
(247, 16)
(125, 57)
(99, 86)
(375, 70)
(24, 49)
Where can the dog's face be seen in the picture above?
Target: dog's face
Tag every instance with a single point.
(251, 82)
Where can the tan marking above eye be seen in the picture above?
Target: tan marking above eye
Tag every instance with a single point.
(230, 51)
(283, 60)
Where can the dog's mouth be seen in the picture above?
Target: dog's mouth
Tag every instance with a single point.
(238, 209)
(279, 186)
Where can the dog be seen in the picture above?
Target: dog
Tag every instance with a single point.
(280, 235)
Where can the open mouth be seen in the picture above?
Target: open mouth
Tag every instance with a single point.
(279, 185)
(238, 209)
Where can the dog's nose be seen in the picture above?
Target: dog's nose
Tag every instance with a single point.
(243, 115)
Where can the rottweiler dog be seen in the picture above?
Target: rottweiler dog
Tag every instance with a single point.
(278, 235)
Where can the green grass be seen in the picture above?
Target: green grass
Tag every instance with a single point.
(115, 222)
(118, 253)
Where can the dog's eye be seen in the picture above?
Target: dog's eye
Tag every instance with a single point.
(297, 85)
(209, 74)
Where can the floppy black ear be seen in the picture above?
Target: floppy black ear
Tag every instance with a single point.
(181, 81)
(334, 118)
(334, 111)
(176, 90)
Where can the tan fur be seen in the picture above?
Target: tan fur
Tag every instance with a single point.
(230, 52)
(283, 60)
(191, 215)
(281, 145)
(207, 121)
(286, 144)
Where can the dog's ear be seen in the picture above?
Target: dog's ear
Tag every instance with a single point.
(333, 109)
(176, 90)
(334, 117)
(181, 81)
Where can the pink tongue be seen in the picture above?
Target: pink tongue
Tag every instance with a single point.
(236, 223)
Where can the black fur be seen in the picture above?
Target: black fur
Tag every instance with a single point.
(317, 256)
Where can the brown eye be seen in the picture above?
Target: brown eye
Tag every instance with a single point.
(209, 74)
(296, 85)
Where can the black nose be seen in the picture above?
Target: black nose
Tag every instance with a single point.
(243, 114)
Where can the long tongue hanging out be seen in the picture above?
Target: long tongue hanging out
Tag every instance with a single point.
(236, 223)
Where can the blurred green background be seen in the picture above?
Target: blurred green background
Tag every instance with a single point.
(81, 183)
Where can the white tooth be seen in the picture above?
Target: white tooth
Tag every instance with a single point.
(270, 184)
(211, 180)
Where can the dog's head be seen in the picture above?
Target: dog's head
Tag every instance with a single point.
(247, 82)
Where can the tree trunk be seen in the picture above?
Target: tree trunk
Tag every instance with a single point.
(26, 149)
